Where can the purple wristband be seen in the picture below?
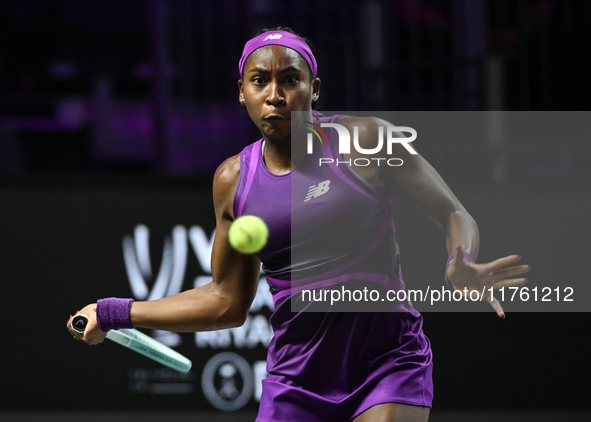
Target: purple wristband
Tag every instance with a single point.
(113, 313)
(467, 257)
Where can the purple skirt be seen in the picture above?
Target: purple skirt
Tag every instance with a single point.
(333, 366)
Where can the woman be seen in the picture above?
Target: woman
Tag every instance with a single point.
(323, 366)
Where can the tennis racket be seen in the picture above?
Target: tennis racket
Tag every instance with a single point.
(140, 343)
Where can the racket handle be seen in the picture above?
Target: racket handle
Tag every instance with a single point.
(79, 322)
(140, 343)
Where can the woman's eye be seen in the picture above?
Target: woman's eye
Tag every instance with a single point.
(292, 79)
(258, 80)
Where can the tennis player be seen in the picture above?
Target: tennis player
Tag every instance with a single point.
(323, 366)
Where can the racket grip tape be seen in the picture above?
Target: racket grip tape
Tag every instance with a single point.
(79, 322)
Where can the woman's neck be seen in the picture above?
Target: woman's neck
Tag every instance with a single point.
(282, 155)
(277, 156)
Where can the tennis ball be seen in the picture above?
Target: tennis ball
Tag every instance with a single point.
(248, 234)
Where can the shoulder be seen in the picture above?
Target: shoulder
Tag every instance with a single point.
(227, 172)
(225, 182)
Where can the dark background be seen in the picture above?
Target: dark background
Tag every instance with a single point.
(115, 113)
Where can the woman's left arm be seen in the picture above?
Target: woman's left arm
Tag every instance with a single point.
(421, 183)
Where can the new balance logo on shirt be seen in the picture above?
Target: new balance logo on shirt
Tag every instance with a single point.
(316, 190)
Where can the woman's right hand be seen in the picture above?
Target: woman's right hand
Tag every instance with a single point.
(93, 335)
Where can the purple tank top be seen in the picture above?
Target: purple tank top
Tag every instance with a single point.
(326, 226)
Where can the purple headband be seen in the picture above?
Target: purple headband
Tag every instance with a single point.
(283, 38)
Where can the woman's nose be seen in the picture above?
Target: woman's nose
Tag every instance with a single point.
(274, 94)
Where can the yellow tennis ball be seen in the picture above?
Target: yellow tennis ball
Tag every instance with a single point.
(248, 234)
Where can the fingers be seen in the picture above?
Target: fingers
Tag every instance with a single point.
(496, 305)
(92, 334)
(501, 278)
(497, 274)
(510, 282)
(503, 262)
(510, 272)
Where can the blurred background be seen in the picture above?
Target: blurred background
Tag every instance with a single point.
(115, 114)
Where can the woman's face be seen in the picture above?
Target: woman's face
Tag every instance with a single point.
(276, 80)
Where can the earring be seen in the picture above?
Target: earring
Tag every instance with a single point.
(315, 97)
(242, 102)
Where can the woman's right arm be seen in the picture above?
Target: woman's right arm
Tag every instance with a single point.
(223, 303)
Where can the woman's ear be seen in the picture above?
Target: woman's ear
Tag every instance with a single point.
(241, 90)
(316, 87)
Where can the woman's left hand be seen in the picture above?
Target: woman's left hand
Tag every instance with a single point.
(92, 335)
(467, 277)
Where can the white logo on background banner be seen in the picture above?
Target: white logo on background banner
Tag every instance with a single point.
(227, 381)
(171, 274)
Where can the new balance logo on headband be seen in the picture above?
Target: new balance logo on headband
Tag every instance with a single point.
(273, 37)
